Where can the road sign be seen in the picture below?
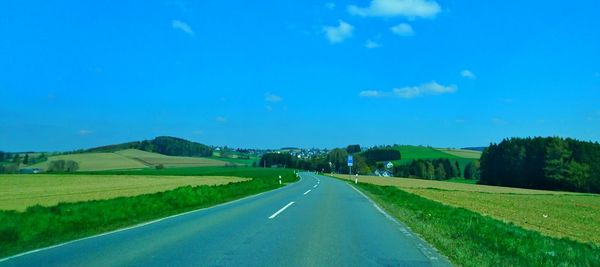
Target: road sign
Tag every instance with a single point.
(350, 161)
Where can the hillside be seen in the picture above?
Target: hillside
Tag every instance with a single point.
(166, 145)
(128, 159)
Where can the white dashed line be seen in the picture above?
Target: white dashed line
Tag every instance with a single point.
(281, 210)
(307, 192)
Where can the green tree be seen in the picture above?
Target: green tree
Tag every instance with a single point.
(225, 152)
(2, 156)
(440, 171)
(556, 165)
(71, 166)
(339, 158)
(361, 166)
(472, 170)
(579, 175)
(457, 172)
(26, 159)
(352, 149)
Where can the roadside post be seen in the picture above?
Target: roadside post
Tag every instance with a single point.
(356, 180)
(279, 179)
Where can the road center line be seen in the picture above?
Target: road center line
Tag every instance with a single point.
(281, 210)
(315, 186)
(307, 191)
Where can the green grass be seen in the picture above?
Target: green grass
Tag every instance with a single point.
(128, 159)
(468, 238)
(244, 162)
(461, 181)
(40, 226)
(463, 153)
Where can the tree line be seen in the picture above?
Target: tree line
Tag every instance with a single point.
(336, 161)
(166, 145)
(550, 163)
(432, 169)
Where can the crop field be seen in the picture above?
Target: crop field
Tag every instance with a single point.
(556, 214)
(17, 192)
(154, 159)
(95, 161)
(128, 159)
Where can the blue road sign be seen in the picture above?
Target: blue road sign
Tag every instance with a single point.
(350, 161)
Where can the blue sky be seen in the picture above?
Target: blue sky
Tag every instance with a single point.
(447, 73)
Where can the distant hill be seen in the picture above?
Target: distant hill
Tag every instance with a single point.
(166, 145)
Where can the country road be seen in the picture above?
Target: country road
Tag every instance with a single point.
(318, 221)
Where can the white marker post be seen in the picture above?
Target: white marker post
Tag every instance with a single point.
(356, 180)
(279, 179)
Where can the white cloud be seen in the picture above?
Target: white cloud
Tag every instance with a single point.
(372, 44)
(337, 34)
(272, 98)
(371, 93)
(431, 88)
(330, 5)
(182, 26)
(220, 119)
(403, 29)
(392, 8)
(408, 92)
(468, 74)
(84, 132)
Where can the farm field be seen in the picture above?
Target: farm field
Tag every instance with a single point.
(556, 214)
(95, 161)
(17, 192)
(128, 159)
(153, 159)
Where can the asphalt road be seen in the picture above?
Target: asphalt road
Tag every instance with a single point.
(318, 221)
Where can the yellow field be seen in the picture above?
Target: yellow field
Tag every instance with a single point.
(17, 192)
(557, 214)
(168, 161)
(463, 153)
(128, 159)
(96, 161)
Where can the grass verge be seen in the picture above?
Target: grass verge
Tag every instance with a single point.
(470, 239)
(39, 226)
